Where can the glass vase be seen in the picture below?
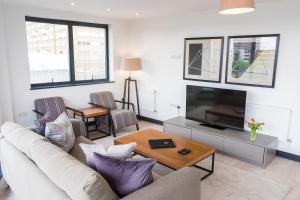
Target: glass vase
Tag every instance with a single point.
(253, 134)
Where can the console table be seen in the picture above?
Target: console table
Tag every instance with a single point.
(235, 143)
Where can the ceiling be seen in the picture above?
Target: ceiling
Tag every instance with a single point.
(125, 9)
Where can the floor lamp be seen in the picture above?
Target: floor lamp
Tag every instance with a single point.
(130, 64)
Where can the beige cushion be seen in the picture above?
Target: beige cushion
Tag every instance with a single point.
(77, 151)
(8, 127)
(156, 177)
(25, 179)
(76, 179)
(20, 137)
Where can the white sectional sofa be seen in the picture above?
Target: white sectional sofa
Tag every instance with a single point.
(35, 169)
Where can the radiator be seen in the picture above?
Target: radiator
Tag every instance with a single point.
(148, 100)
(277, 120)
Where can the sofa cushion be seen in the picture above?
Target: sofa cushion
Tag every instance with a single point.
(124, 176)
(8, 127)
(60, 132)
(77, 151)
(25, 179)
(22, 138)
(116, 151)
(75, 178)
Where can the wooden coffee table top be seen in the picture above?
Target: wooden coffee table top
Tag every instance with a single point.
(167, 156)
(92, 112)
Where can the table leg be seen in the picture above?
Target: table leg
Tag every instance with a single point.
(109, 129)
(210, 171)
(87, 128)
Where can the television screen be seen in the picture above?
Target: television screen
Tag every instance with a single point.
(216, 107)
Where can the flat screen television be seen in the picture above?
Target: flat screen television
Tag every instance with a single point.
(219, 108)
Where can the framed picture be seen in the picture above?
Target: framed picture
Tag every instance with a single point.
(203, 59)
(252, 60)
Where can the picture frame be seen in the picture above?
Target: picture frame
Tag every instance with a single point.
(203, 59)
(252, 60)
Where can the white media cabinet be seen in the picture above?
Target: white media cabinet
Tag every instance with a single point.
(235, 143)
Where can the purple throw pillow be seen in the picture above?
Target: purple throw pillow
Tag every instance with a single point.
(40, 124)
(124, 176)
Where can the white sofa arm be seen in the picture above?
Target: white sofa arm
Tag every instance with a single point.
(182, 184)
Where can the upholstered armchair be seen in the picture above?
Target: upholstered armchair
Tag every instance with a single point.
(120, 118)
(56, 106)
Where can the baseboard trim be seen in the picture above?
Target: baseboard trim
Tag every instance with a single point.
(154, 121)
(288, 156)
(281, 154)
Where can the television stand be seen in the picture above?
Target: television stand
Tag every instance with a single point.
(231, 142)
(212, 126)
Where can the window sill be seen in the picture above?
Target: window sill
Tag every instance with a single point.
(59, 85)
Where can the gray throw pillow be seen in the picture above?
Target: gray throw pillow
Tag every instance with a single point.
(60, 132)
(40, 124)
(124, 176)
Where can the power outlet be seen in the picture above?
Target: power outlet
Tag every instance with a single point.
(175, 106)
(176, 57)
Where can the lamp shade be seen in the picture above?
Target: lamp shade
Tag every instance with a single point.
(131, 64)
(234, 7)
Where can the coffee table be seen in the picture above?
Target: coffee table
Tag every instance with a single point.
(169, 156)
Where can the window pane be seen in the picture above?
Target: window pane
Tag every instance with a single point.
(89, 53)
(48, 49)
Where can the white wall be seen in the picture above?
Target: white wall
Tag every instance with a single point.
(160, 43)
(77, 96)
(5, 94)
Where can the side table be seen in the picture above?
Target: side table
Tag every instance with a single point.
(89, 113)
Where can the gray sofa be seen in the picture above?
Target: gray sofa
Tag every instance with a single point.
(36, 169)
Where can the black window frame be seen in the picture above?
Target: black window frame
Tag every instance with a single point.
(73, 81)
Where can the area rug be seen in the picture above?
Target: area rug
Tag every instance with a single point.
(230, 183)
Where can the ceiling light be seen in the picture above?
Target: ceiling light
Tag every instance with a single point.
(137, 14)
(107, 9)
(72, 4)
(235, 7)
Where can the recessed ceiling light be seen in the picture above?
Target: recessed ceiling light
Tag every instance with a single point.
(72, 4)
(107, 9)
(137, 14)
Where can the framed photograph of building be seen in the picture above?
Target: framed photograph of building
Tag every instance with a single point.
(203, 59)
(252, 60)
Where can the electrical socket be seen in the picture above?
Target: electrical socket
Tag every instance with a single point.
(175, 106)
(176, 57)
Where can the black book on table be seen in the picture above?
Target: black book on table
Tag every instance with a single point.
(162, 143)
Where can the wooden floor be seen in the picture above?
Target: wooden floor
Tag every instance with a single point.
(280, 172)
